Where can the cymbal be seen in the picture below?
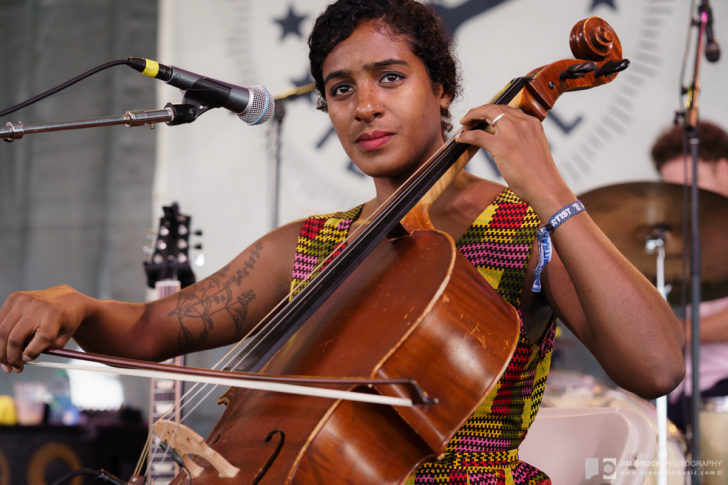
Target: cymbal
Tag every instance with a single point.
(632, 213)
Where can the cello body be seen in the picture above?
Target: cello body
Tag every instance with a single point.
(449, 330)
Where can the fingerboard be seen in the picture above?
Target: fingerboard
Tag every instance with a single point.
(166, 397)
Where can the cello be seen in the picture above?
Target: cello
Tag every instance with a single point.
(431, 332)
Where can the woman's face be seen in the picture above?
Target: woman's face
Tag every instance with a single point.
(382, 102)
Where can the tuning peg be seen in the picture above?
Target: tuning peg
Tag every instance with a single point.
(611, 67)
(148, 249)
(576, 71)
(200, 260)
(148, 246)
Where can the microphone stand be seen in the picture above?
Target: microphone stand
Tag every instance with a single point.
(172, 114)
(279, 113)
(656, 243)
(690, 124)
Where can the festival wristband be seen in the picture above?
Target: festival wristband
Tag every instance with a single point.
(544, 238)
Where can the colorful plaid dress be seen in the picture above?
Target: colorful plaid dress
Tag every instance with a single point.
(485, 450)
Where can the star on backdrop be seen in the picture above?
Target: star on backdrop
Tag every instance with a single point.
(291, 23)
(608, 3)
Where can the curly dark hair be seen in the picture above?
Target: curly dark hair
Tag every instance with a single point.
(669, 145)
(423, 28)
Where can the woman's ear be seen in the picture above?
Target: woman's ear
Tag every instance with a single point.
(445, 99)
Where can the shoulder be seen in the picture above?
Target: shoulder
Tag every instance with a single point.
(470, 195)
(480, 191)
(279, 246)
(336, 217)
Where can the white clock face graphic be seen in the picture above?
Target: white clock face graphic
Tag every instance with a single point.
(588, 130)
(598, 137)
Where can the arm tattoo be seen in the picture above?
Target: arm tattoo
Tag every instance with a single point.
(221, 292)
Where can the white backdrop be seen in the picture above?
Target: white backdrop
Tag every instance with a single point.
(220, 170)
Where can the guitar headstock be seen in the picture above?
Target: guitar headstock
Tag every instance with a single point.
(170, 258)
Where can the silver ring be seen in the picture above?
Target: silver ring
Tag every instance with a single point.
(496, 119)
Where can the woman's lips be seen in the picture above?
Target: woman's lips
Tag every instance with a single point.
(373, 140)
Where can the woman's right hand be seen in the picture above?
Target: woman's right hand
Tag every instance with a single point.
(33, 321)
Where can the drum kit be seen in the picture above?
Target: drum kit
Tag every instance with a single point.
(647, 222)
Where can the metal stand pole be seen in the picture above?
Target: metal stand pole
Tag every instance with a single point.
(656, 243)
(171, 114)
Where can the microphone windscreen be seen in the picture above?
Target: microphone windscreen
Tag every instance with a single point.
(260, 106)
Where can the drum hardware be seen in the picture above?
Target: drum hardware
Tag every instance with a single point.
(637, 216)
(645, 222)
(575, 390)
(655, 243)
(713, 443)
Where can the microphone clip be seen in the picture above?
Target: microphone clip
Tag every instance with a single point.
(183, 113)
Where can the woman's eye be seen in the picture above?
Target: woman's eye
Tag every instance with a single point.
(340, 89)
(391, 77)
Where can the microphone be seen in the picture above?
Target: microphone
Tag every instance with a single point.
(254, 105)
(712, 49)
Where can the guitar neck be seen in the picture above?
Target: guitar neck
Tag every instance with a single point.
(167, 287)
(166, 397)
(168, 270)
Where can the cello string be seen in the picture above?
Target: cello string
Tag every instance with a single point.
(246, 345)
(250, 343)
(190, 399)
(263, 326)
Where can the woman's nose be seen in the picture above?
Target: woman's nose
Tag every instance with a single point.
(369, 105)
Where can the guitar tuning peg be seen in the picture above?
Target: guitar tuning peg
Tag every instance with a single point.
(199, 260)
(148, 249)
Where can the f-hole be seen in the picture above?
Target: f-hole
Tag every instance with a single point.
(272, 458)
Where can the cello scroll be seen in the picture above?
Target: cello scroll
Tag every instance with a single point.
(598, 60)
